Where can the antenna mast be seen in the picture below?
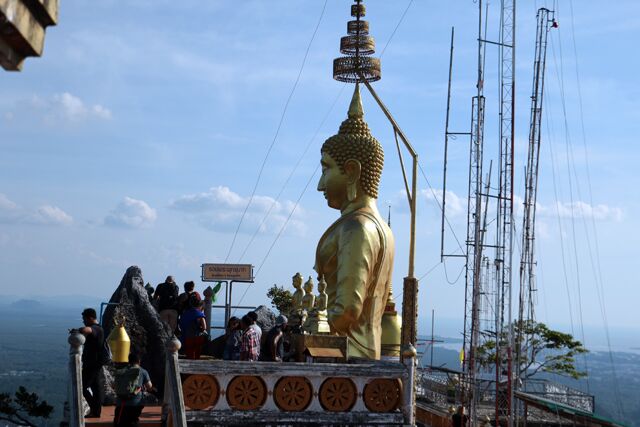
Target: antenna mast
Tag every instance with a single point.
(504, 237)
(545, 21)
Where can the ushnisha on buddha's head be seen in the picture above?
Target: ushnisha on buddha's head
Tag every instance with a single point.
(351, 161)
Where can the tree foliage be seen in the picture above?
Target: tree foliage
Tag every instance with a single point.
(281, 299)
(541, 350)
(23, 406)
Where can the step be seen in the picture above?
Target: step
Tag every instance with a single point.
(150, 417)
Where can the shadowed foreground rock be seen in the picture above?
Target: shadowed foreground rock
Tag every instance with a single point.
(147, 332)
(266, 318)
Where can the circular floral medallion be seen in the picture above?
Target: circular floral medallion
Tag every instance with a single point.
(382, 395)
(338, 394)
(293, 393)
(200, 391)
(245, 393)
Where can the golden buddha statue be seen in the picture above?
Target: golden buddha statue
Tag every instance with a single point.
(322, 300)
(355, 254)
(298, 294)
(309, 299)
(317, 321)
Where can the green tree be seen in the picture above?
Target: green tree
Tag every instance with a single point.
(541, 350)
(22, 407)
(281, 299)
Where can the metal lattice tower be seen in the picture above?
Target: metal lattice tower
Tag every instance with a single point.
(357, 65)
(475, 233)
(526, 304)
(474, 247)
(504, 237)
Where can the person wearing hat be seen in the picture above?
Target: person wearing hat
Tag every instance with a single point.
(274, 343)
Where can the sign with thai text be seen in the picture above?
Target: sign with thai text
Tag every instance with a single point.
(235, 272)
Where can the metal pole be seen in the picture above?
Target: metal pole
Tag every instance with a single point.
(432, 337)
(227, 304)
(446, 147)
(410, 285)
(208, 293)
(76, 416)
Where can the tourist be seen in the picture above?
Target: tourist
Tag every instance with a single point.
(233, 340)
(130, 384)
(459, 419)
(193, 327)
(149, 288)
(250, 345)
(183, 299)
(254, 317)
(274, 343)
(91, 361)
(166, 296)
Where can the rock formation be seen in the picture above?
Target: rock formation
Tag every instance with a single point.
(147, 332)
(266, 319)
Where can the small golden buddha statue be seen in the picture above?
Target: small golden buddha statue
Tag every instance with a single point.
(298, 295)
(322, 300)
(355, 254)
(309, 299)
(317, 321)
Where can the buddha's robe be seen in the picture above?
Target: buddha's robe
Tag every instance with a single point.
(355, 256)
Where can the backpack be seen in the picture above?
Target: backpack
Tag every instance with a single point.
(127, 382)
(104, 354)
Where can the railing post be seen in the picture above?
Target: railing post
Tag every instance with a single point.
(173, 386)
(76, 417)
(408, 393)
(208, 293)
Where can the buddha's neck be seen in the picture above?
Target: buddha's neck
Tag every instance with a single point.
(359, 203)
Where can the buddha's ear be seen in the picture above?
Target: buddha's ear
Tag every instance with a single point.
(353, 170)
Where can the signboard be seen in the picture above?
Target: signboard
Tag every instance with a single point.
(234, 272)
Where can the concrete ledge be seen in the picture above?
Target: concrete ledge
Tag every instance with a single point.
(375, 369)
(262, 417)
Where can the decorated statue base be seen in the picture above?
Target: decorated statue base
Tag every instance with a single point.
(317, 323)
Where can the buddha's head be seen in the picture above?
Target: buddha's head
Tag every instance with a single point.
(308, 285)
(297, 281)
(322, 285)
(351, 161)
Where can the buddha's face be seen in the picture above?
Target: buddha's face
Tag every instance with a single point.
(297, 281)
(333, 183)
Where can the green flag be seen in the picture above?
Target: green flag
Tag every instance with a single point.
(214, 295)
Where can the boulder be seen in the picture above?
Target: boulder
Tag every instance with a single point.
(147, 332)
(266, 318)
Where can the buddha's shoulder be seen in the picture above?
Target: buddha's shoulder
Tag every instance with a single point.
(362, 220)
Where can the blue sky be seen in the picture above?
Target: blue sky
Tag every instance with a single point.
(138, 136)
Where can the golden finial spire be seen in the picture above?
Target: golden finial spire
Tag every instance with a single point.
(355, 108)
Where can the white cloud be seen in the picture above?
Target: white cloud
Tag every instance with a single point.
(455, 205)
(51, 215)
(10, 212)
(66, 107)
(73, 108)
(580, 209)
(220, 209)
(6, 204)
(131, 213)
